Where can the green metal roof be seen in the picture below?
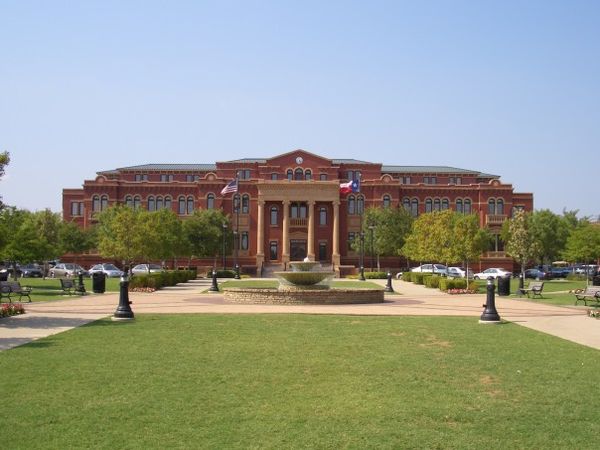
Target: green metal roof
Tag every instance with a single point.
(435, 169)
(190, 167)
(350, 161)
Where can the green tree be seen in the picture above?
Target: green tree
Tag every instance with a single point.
(521, 243)
(74, 239)
(583, 244)
(551, 232)
(468, 240)
(431, 238)
(204, 233)
(4, 160)
(120, 234)
(164, 235)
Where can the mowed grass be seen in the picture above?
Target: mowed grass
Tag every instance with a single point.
(299, 381)
(49, 288)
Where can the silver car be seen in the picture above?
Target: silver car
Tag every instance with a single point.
(67, 270)
(142, 269)
(110, 270)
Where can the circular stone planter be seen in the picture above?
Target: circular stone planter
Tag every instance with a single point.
(304, 296)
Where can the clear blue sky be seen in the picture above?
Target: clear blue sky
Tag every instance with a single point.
(510, 88)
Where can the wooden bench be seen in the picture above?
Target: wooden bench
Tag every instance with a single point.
(10, 288)
(534, 288)
(70, 287)
(589, 293)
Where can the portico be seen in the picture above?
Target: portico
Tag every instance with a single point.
(298, 219)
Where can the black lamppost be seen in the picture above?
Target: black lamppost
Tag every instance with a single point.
(362, 256)
(224, 256)
(124, 311)
(372, 230)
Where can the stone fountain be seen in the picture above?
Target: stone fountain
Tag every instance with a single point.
(306, 283)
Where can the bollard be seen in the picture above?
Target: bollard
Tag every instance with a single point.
(237, 272)
(388, 286)
(123, 311)
(362, 273)
(214, 287)
(521, 284)
(490, 315)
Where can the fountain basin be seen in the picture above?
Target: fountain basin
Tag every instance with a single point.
(303, 296)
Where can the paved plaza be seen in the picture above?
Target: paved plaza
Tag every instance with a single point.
(47, 318)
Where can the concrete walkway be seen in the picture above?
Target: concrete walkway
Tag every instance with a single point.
(47, 318)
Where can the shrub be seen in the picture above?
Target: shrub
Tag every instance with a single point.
(417, 277)
(376, 275)
(225, 273)
(432, 281)
(473, 286)
(443, 284)
(406, 276)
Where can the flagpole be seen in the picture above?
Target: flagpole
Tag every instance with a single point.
(236, 237)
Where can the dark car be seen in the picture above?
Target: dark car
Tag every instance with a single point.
(31, 271)
(560, 272)
(537, 274)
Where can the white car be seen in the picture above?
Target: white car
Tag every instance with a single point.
(144, 269)
(494, 272)
(110, 270)
(431, 268)
(459, 272)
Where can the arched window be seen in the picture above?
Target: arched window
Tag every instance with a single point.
(360, 204)
(322, 216)
(159, 203)
(96, 203)
(491, 206)
(245, 204)
(387, 201)
(244, 240)
(181, 206)
(274, 214)
(137, 202)
(307, 174)
(406, 204)
(151, 204)
(190, 205)
(290, 175)
(467, 206)
(168, 202)
(298, 174)
(237, 200)
(210, 201)
(298, 210)
(103, 202)
(445, 204)
(500, 206)
(414, 207)
(459, 205)
(351, 205)
(428, 205)
(129, 201)
(436, 204)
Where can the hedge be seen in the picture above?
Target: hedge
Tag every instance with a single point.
(432, 281)
(406, 276)
(161, 279)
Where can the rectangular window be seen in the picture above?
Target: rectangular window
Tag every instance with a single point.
(244, 240)
(273, 176)
(76, 209)
(141, 177)
(244, 174)
(454, 180)
(430, 180)
(166, 177)
(192, 178)
(351, 236)
(405, 180)
(273, 250)
(323, 177)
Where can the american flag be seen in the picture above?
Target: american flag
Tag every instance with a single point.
(232, 186)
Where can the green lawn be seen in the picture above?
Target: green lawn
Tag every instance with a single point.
(299, 381)
(49, 288)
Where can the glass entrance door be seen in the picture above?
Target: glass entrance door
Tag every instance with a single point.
(297, 249)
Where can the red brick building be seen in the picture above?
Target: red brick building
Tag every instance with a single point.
(291, 206)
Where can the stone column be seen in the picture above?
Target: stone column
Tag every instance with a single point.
(260, 237)
(335, 257)
(285, 256)
(310, 251)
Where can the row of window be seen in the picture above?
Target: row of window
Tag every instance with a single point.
(297, 211)
(436, 204)
(166, 177)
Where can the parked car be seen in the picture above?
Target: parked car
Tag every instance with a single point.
(560, 272)
(110, 270)
(537, 274)
(32, 270)
(67, 270)
(493, 272)
(431, 268)
(142, 269)
(459, 272)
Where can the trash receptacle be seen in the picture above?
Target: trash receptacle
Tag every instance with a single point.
(98, 282)
(504, 285)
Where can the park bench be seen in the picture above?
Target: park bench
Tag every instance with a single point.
(10, 288)
(70, 287)
(534, 288)
(590, 292)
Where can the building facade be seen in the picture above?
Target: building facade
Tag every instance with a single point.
(290, 206)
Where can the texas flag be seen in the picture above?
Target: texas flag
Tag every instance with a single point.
(350, 186)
